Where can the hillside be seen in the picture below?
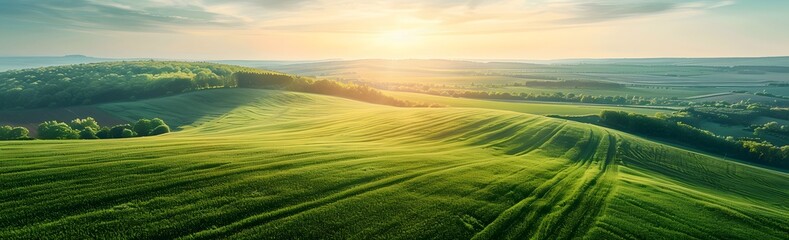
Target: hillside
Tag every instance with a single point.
(86, 84)
(282, 165)
(10, 63)
(540, 108)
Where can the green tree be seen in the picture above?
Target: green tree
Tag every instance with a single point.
(143, 127)
(5, 132)
(157, 122)
(162, 129)
(127, 133)
(103, 133)
(81, 124)
(88, 133)
(117, 130)
(56, 130)
(19, 133)
(13, 133)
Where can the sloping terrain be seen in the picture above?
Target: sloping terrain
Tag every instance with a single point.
(539, 108)
(280, 165)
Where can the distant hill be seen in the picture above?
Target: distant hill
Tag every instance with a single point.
(8, 63)
(716, 62)
(267, 64)
(86, 84)
(22, 62)
(724, 72)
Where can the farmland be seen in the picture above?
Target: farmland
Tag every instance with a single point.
(630, 72)
(435, 119)
(724, 88)
(273, 164)
(524, 107)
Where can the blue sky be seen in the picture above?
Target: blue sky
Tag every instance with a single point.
(317, 29)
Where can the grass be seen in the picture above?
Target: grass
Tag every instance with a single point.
(280, 165)
(688, 93)
(523, 107)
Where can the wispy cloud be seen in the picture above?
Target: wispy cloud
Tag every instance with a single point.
(115, 16)
(585, 12)
(338, 16)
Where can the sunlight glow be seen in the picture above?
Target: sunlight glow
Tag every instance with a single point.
(398, 38)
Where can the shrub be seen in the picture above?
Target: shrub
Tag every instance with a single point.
(157, 122)
(160, 130)
(117, 130)
(103, 133)
(143, 127)
(127, 133)
(82, 124)
(13, 133)
(88, 133)
(88, 128)
(19, 133)
(4, 132)
(56, 130)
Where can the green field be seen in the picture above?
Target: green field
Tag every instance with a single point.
(678, 92)
(524, 107)
(666, 74)
(264, 164)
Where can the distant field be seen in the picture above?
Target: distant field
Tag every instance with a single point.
(656, 73)
(282, 165)
(737, 97)
(625, 91)
(523, 107)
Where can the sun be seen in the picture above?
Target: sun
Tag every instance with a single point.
(398, 38)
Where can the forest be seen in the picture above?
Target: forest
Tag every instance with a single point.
(85, 84)
(665, 127)
(327, 87)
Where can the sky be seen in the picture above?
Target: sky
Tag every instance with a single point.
(345, 29)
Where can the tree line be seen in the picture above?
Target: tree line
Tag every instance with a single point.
(748, 150)
(13, 133)
(327, 87)
(87, 128)
(548, 97)
(84, 84)
(742, 113)
(80, 84)
(570, 84)
(771, 128)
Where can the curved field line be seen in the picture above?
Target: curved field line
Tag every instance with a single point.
(228, 230)
(525, 219)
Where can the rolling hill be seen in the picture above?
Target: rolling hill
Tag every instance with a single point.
(268, 164)
(9, 63)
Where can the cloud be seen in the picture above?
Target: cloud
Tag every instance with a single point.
(116, 16)
(263, 4)
(337, 16)
(598, 12)
(585, 12)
